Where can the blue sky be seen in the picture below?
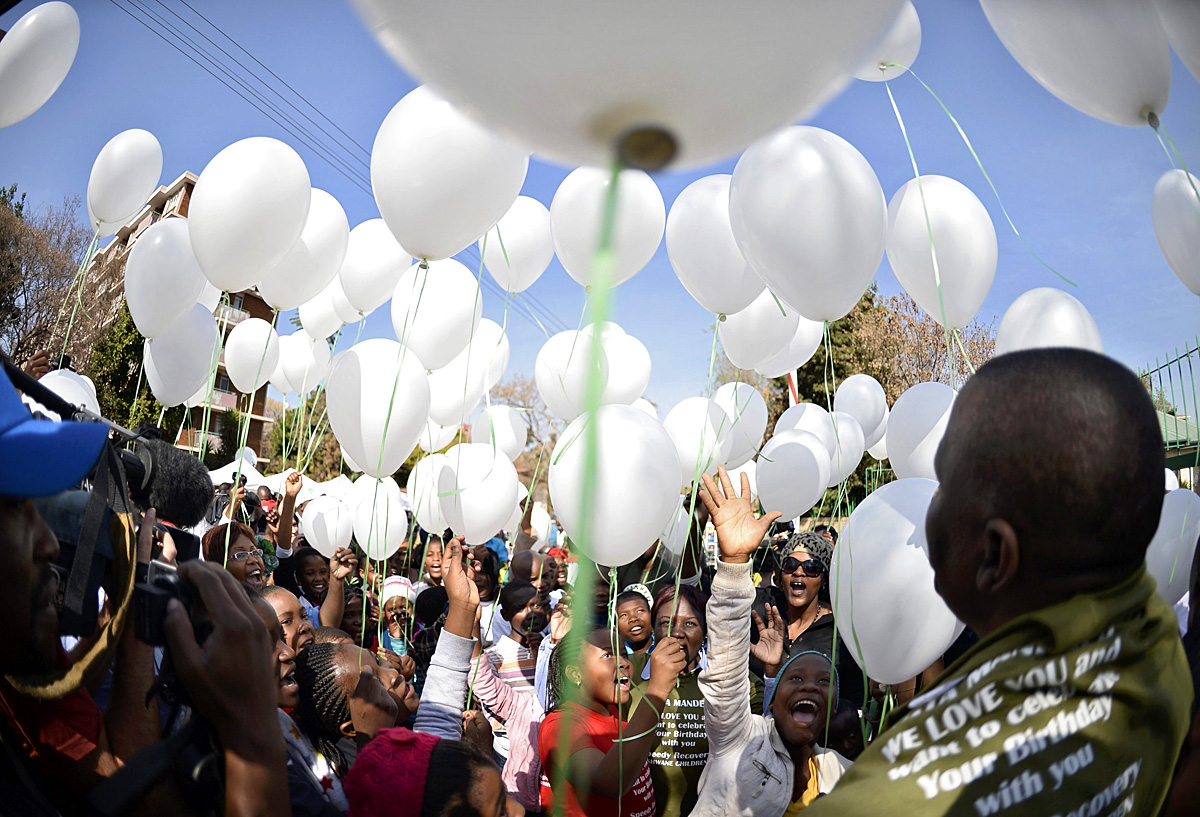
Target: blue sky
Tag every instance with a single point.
(1078, 189)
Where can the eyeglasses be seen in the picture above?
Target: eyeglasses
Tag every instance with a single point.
(243, 555)
(812, 567)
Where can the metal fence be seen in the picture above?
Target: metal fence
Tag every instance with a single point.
(1171, 381)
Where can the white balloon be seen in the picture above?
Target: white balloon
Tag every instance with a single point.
(645, 405)
(179, 361)
(861, 396)
(373, 265)
(811, 418)
(1176, 213)
(666, 76)
(341, 304)
(1108, 58)
(328, 524)
(879, 449)
(1170, 553)
(103, 228)
(380, 522)
(809, 215)
(882, 553)
(703, 251)
(674, 536)
(305, 360)
(73, 388)
(634, 487)
(900, 47)
(502, 427)
(915, 429)
(1181, 19)
(434, 437)
(279, 376)
(35, 56)
(876, 435)
(514, 520)
(441, 180)
(848, 447)
(210, 296)
(519, 248)
(1172, 481)
(202, 396)
(793, 471)
(124, 175)
(318, 317)
(747, 411)
(367, 488)
(1046, 317)
(455, 389)
(162, 278)
(490, 351)
(562, 370)
(700, 429)
(628, 369)
(577, 212)
(798, 351)
(435, 310)
(313, 261)
(750, 469)
(377, 396)
(759, 333)
(963, 238)
(607, 329)
(247, 210)
(422, 489)
(478, 488)
(251, 354)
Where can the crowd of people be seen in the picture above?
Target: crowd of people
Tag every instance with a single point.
(514, 677)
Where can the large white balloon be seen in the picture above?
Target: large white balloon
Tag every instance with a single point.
(162, 278)
(440, 179)
(210, 296)
(635, 483)
(1172, 481)
(312, 262)
(519, 248)
(700, 429)
(1108, 58)
(861, 396)
(1046, 317)
(456, 388)
(879, 449)
(667, 83)
(502, 427)
(35, 56)
(809, 215)
(898, 51)
(1170, 553)
(674, 537)
(367, 489)
(876, 435)
(703, 251)
(792, 473)
(915, 429)
(747, 411)
(628, 369)
(178, 361)
(1176, 212)
(798, 351)
(477, 488)
(373, 265)
(327, 524)
(435, 310)
(750, 469)
(963, 238)
(247, 210)
(103, 228)
(490, 351)
(848, 448)
(434, 437)
(422, 489)
(72, 387)
(811, 418)
(380, 522)
(377, 395)
(251, 354)
(306, 360)
(577, 213)
(759, 333)
(562, 370)
(882, 553)
(644, 405)
(279, 377)
(318, 316)
(124, 175)
(1181, 19)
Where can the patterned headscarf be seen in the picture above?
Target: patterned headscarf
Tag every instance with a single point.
(813, 543)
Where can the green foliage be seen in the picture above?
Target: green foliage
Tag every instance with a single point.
(9, 199)
(301, 434)
(115, 368)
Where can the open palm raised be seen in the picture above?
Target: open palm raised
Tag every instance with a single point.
(739, 531)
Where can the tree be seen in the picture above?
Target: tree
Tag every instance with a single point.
(301, 434)
(115, 367)
(40, 252)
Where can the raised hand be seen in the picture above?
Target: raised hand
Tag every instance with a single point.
(371, 707)
(668, 659)
(769, 649)
(739, 532)
(459, 580)
(477, 731)
(343, 564)
(293, 484)
(560, 622)
(38, 365)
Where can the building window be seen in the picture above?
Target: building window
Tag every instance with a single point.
(173, 202)
(235, 301)
(223, 384)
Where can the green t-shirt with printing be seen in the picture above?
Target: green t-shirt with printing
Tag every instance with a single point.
(1077, 710)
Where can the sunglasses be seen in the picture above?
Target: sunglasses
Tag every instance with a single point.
(812, 567)
(243, 555)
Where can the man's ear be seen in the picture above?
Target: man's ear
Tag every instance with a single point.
(347, 729)
(1001, 557)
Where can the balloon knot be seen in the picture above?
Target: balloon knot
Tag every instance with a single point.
(721, 317)
(424, 264)
(1152, 119)
(646, 148)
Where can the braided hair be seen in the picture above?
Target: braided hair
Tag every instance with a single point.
(323, 706)
(567, 654)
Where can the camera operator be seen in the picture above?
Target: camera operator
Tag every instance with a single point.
(55, 750)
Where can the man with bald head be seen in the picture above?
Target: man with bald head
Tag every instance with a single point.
(1076, 699)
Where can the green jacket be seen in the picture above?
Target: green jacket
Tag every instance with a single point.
(1076, 710)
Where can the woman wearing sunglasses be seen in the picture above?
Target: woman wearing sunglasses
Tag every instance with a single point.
(235, 546)
(797, 609)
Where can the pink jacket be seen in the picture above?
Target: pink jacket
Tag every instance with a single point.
(522, 715)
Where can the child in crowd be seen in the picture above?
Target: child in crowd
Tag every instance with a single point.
(297, 629)
(321, 583)
(633, 622)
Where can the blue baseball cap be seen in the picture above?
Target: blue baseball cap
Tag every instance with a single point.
(42, 457)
